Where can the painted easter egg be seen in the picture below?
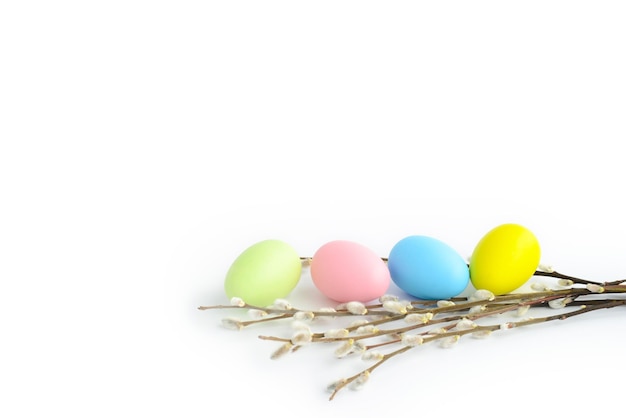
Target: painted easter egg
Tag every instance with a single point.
(264, 272)
(504, 259)
(427, 268)
(346, 271)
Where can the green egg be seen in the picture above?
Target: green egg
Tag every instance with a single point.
(264, 272)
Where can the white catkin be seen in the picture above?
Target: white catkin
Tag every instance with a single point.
(482, 294)
(336, 333)
(282, 305)
(256, 313)
(522, 310)
(545, 268)
(358, 347)
(481, 334)
(322, 311)
(281, 351)
(385, 298)
(556, 303)
(539, 287)
(360, 381)
(356, 308)
(366, 329)
(445, 303)
(465, 324)
(304, 316)
(235, 301)
(395, 307)
(232, 323)
(595, 288)
(559, 303)
(407, 304)
(418, 318)
(372, 355)
(565, 282)
(338, 383)
(412, 340)
(449, 341)
(344, 349)
(477, 309)
(301, 337)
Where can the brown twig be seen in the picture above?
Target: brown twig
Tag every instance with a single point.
(419, 319)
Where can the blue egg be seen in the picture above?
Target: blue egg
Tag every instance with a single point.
(427, 268)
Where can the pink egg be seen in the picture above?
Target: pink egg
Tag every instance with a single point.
(345, 271)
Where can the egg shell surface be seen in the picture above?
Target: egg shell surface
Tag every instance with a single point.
(504, 259)
(264, 272)
(427, 268)
(346, 271)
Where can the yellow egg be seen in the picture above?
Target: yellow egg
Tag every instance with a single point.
(504, 259)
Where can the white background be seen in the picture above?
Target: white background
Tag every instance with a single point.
(145, 144)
